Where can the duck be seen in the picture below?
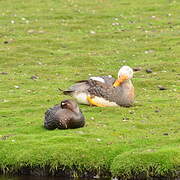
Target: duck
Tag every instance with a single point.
(66, 115)
(105, 91)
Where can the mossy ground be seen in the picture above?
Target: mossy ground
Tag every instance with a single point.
(61, 42)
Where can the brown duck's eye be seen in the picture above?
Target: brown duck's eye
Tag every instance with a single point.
(63, 104)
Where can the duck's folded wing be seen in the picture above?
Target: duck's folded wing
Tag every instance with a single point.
(99, 89)
(84, 85)
(103, 94)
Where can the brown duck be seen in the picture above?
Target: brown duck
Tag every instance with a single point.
(105, 90)
(65, 115)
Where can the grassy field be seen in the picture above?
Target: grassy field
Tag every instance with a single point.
(47, 44)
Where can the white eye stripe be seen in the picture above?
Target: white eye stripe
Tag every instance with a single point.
(63, 103)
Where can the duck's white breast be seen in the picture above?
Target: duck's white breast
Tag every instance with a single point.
(81, 97)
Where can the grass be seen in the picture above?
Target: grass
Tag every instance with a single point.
(64, 41)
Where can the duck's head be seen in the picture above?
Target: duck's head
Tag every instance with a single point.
(71, 105)
(124, 74)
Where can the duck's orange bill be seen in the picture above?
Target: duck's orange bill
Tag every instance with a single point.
(119, 81)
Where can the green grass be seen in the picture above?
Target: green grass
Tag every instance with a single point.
(65, 41)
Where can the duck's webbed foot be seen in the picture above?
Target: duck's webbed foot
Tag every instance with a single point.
(93, 103)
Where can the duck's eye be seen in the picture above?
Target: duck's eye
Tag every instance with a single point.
(63, 105)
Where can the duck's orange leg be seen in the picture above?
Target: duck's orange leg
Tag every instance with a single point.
(92, 102)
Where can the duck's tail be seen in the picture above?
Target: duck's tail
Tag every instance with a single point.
(65, 92)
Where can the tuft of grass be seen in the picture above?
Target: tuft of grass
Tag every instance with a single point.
(147, 163)
(60, 42)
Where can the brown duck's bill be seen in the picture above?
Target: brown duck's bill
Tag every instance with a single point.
(120, 80)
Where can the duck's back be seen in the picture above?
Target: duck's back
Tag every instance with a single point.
(49, 119)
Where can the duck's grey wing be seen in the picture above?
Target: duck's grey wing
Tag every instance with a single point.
(80, 86)
(105, 91)
(84, 85)
(99, 89)
(94, 87)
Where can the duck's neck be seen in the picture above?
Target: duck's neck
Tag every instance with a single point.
(76, 110)
(127, 83)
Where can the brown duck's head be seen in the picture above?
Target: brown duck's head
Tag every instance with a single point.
(125, 73)
(70, 104)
